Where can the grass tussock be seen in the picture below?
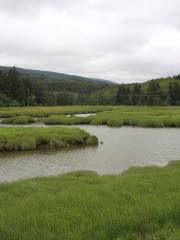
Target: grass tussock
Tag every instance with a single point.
(141, 204)
(64, 120)
(22, 139)
(18, 120)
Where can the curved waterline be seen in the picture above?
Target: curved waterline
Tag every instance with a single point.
(122, 148)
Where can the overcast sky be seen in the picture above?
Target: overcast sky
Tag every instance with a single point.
(119, 40)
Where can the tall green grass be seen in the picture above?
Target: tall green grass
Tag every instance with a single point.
(64, 120)
(105, 115)
(18, 120)
(139, 116)
(47, 111)
(141, 204)
(21, 139)
(125, 116)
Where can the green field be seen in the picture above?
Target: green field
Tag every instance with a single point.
(21, 139)
(106, 115)
(141, 204)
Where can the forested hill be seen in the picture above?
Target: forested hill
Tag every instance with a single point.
(48, 75)
(34, 87)
(162, 91)
(21, 87)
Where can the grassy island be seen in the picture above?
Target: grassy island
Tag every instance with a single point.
(44, 111)
(124, 116)
(21, 139)
(139, 116)
(142, 203)
(114, 116)
(18, 120)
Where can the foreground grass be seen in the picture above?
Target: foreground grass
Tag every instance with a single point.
(21, 139)
(141, 204)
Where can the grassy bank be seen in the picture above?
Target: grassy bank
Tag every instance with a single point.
(116, 116)
(18, 120)
(139, 116)
(21, 139)
(125, 116)
(47, 111)
(64, 120)
(141, 204)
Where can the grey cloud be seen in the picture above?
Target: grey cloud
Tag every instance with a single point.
(120, 40)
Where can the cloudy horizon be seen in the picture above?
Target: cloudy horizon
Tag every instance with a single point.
(118, 40)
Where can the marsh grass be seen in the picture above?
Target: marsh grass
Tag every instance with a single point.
(21, 139)
(64, 120)
(114, 116)
(47, 111)
(125, 116)
(141, 204)
(18, 120)
(139, 116)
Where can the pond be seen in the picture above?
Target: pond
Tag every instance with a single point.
(122, 148)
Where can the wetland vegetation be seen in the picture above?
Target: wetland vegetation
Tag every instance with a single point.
(18, 120)
(44, 111)
(139, 116)
(139, 204)
(116, 116)
(22, 139)
(142, 203)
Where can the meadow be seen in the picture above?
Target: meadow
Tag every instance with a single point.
(114, 116)
(140, 204)
(23, 139)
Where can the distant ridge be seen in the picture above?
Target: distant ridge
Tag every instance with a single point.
(55, 75)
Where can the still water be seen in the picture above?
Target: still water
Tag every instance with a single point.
(122, 148)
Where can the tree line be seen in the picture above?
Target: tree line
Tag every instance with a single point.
(152, 94)
(18, 90)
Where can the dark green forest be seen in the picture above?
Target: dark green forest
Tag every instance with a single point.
(151, 94)
(31, 88)
(23, 88)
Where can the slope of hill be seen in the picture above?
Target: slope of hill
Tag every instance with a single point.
(54, 75)
(60, 82)
(35, 87)
(162, 91)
